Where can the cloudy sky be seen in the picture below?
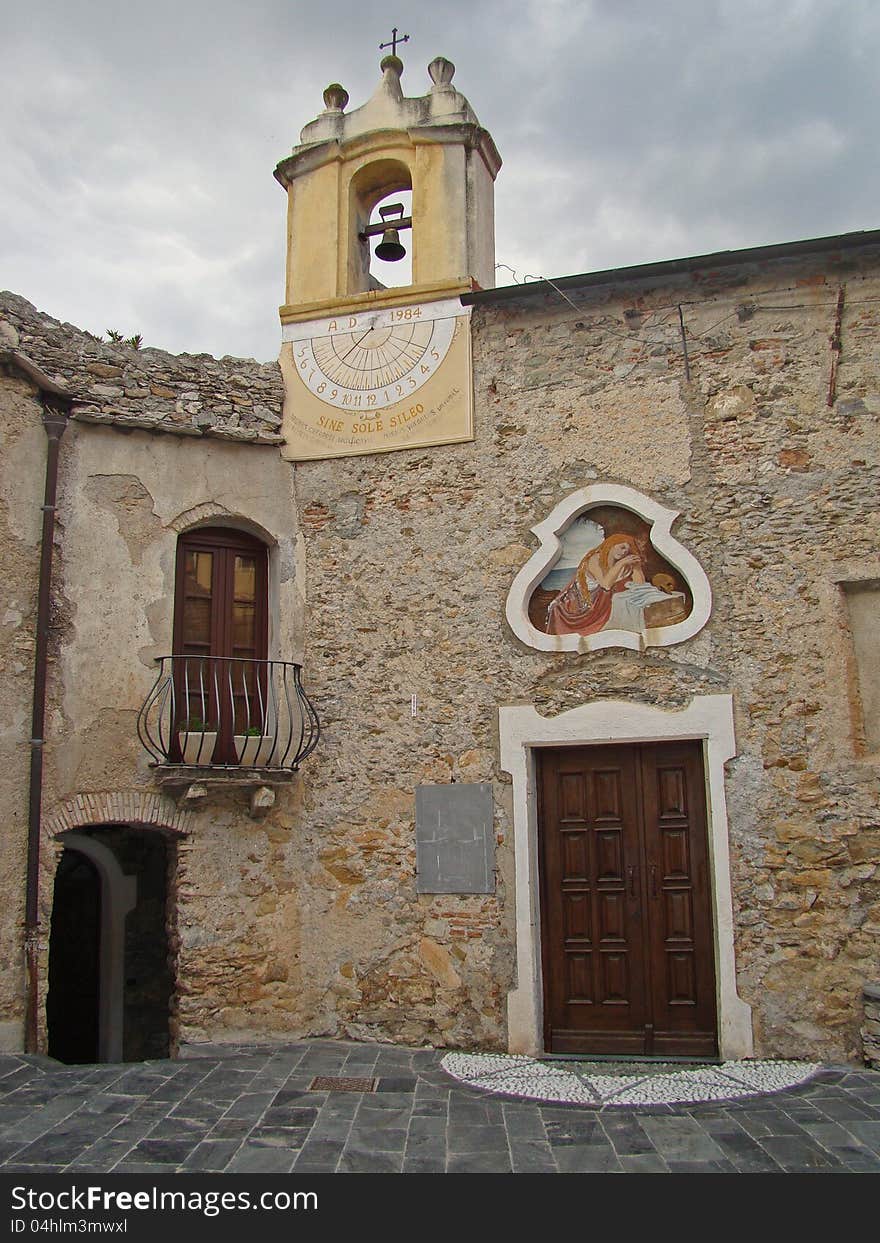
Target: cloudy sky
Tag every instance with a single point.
(138, 140)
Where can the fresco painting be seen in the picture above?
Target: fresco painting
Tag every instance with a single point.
(609, 576)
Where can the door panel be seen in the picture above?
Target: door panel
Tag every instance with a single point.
(593, 921)
(681, 943)
(627, 941)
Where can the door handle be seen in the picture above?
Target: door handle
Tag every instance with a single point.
(631, 873)
(654, 891)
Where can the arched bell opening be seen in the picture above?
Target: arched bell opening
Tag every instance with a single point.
(110, 978)
(381, 213)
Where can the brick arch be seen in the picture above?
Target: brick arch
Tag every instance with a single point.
(141, 809)
(218, 516)
(200, 515)
(212, 514)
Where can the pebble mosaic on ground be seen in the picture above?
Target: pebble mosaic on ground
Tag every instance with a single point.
(600, 1084)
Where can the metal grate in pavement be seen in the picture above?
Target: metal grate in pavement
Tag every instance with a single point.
(331, 1083)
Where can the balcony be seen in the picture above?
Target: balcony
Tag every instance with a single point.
(212, 720)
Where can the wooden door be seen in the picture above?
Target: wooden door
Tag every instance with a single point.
(627, 941)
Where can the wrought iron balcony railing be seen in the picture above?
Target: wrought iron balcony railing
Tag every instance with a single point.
(228, 713)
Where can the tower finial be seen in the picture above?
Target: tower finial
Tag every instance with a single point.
(335, 97)
(441, 72)
(393, 42)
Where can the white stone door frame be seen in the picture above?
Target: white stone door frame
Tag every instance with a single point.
(708, 718)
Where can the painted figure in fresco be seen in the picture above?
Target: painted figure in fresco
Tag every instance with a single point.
(584, 605)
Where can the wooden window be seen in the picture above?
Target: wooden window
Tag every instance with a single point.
(220, 621)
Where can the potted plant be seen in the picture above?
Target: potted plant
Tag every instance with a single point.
(253, 747)
(196, 740)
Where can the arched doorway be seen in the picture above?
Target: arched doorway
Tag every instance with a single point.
(110, 981)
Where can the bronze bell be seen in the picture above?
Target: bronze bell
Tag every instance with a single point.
(390, 249)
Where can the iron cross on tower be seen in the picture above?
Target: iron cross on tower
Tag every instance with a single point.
(394, 41)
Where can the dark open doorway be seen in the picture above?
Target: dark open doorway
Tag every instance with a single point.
(74, 961)
(110, 980)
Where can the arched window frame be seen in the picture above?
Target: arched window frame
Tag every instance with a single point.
(223, 543)
(204, 684)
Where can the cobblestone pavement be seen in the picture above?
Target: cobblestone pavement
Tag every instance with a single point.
(254, 1110)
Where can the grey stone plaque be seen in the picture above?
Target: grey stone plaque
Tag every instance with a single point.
(455, 839)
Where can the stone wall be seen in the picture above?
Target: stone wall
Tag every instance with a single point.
(130, 495)
(125, 494)
(870, 1031)
(410, 557)
(22, 453)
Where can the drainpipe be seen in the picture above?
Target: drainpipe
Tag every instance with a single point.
(56, 411)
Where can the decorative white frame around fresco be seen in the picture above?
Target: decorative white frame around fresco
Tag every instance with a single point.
(550, 549)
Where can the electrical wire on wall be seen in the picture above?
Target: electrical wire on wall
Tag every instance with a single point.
(686, 333)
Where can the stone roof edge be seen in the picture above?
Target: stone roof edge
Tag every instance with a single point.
(144, 351)
(34, 373)
(133, 422)
(672, 267)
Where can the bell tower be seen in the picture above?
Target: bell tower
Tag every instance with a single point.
(347, 162)
(369, 369)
